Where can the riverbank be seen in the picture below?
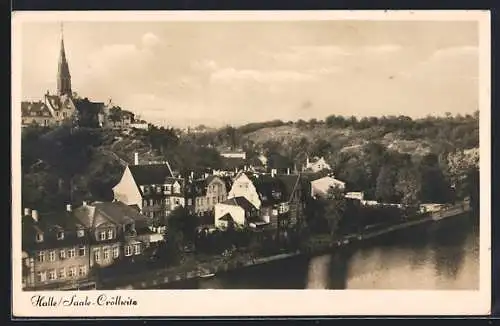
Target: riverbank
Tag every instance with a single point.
(193, 268)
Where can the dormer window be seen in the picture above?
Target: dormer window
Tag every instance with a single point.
(80, 233)
(60, 235)
(177, 188)
(39, 237)
(102, 235)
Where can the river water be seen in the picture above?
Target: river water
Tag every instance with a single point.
(437, 255)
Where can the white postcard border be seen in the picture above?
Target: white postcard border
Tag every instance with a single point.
(185, 303)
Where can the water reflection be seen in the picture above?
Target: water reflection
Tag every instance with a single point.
(442, 255)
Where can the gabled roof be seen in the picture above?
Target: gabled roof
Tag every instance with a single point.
(35, 109)
(226, 217)
(119, 212)
(273, 190)
(49, 224)
(241, 202)
(148, 174)
(199, 187)
(89, 106)
(57, 102)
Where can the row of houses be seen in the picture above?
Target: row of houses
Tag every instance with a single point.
(60, 249)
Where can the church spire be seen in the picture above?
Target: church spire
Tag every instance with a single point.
(63, 75)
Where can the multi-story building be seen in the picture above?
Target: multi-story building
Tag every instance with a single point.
(55, 251)
(152, 188)
(205, 193)
(116, 231)
(278, 198)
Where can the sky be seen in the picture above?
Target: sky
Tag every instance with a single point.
(216, 73)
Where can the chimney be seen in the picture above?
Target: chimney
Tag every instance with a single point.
(27, 211)
(192, 175)
(84, 203)
(288, 171)
(68, 208)
(273, 173)
(136, 158)
(34, 215)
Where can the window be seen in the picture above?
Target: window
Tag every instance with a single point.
(71, 253)
(105, 253)
(110, 234)
(82, 271)
(128, 251)
(97, 255)
(102, 235)
(39, 237)
(80, 233)
(60, 235)
(64, 114)
(62, 273)
(72, 271)
(41, 276)
(41, 256)
(190, 202)
(52, 255)
(137, 249)
(57, 113)
(214, 200)
(52, 275)
(62, 254)
(116, 252)
(81, 251)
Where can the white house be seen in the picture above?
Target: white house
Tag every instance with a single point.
(316, 165)
(320, 187)
(236, 210)
(355, 195)
(244, 187)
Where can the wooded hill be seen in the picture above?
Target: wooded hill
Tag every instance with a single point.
(62, 165)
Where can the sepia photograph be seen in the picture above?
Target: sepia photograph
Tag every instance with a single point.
(155, 154)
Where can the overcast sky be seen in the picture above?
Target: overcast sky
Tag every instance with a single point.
(187, 73)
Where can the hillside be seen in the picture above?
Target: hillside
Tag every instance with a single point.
(64, 165)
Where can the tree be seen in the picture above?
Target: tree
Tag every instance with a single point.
(408, 186)
(386, 180)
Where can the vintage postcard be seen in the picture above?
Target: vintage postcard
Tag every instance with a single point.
(251, 163)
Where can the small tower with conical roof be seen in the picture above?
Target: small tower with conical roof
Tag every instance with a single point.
(63, 75)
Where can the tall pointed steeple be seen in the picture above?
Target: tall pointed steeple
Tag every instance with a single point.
(63, 75)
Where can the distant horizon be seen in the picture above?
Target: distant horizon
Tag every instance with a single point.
(184, 74)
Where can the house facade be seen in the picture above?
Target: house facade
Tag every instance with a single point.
(317, 164)
(36, 113)
(321, 186)
(117, 231)
(237, 210)
(205, 193)
(152, 188)
(56, 251)
(243, 186)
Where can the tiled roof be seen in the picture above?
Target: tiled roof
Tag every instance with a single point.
(273, 190)
(120, 213)
(85, 104)
(35, 109)
(240, 201)
(49, 224)
(199, 187)
(148, 174)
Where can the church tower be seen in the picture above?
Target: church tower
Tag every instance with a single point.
(63, 76)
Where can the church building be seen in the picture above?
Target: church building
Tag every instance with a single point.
(62, 106)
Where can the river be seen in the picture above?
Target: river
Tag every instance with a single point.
(436, 255)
